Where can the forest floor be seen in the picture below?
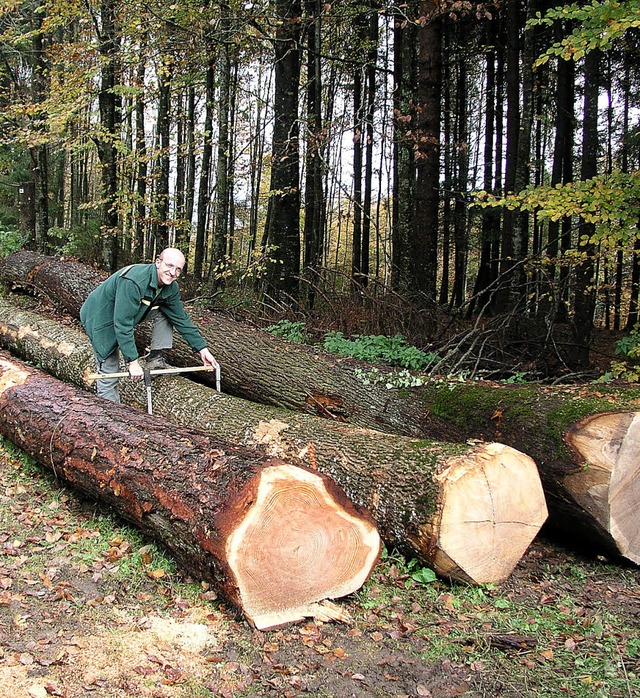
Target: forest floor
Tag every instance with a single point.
(90, 608)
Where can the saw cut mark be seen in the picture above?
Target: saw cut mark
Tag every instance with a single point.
(490, 503)
(314, 556)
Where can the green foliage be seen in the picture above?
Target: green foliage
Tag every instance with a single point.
(628, 369)
(379, 349)
(609, 201)
(83, 242)
(11, 240)
(287, 329)
(598, 25)
(422, 575)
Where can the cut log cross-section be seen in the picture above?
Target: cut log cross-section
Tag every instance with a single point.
(468, 511)
(276, 539)
(608, 446)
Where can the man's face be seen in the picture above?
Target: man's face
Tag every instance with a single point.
(169, 267)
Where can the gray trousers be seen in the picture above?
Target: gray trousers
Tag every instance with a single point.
(161, 338)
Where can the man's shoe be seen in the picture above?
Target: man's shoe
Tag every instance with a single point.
(155, 363)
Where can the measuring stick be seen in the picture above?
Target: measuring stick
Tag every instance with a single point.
(92, 377)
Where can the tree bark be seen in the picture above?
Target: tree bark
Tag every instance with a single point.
(229, 515)
(468, 511)
(282, 228)
(256, 364)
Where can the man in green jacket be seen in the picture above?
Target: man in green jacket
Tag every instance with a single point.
(133, 294)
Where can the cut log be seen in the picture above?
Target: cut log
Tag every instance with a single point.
(275, 538)
(534, 419)
(257, 365)
(468, 511)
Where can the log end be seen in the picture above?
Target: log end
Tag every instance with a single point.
(608, 485)
(297, 545)
(492, 507)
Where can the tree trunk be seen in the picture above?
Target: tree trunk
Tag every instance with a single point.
(230, 516)
(221, 228)
(404, 187)
(469, 511)
(314, 219)
(109, 105)
(205, 167)
(162, 173)
(282, 228)
(428, 108)
(585, 295)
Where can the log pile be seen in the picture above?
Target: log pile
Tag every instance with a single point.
(275, 539)
(258, 366)
(470, 512)
(583, 439)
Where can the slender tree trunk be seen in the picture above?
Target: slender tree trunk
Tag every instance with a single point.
(563, 146)
(161, 197)
(358, 149)
(461, 141)
(370, 102)
(223, 160)
(141, 157)
(314, 220)
(483, 279)
(404, 187)
(282, 230)
(110, 118)
(585, 295)
(512, 83)
(191, 159)
(40, 153)
(428, 106)
(205, 166)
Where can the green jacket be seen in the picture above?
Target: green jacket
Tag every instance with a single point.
(113, 309)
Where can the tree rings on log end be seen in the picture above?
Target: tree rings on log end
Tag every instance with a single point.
(492, 508)
(295, 546)
(608, 485)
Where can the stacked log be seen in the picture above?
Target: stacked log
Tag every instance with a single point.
(468, 511)
(591, 488)
(276, 539)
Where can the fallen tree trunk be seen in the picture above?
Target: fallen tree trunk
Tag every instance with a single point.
(275, 538)
(535, 419)
(256, 365)
(468, 511)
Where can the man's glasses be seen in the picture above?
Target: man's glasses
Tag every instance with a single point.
(172, 268)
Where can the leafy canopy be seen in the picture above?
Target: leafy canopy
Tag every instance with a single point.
(611, 201)
(598, 26)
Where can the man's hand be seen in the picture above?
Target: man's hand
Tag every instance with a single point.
(136, 371)
(207, 358)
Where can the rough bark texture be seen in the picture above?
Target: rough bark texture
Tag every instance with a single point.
(470, 512)
(229, 515)
(583, 439)
(256, 365)
(534, 419)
